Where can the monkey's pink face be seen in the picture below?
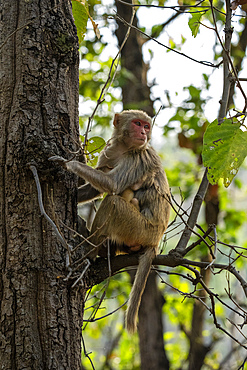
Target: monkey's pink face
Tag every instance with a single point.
(139, 132)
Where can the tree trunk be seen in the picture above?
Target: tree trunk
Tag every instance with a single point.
(135, 91)
(150, 328)
(41, 315)
(198, 349)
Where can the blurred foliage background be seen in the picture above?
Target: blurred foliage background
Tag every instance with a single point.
(183, 113)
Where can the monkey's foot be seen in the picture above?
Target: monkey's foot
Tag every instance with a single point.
(135, 248)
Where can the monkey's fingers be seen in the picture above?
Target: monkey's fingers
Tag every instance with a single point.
(60, 160)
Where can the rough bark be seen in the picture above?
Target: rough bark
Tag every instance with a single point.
(40, 315)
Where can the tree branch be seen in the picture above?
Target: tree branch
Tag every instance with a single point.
(193, 215)
(208, 64)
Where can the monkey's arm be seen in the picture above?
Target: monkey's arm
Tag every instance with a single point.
(87, 192)
(99, 180)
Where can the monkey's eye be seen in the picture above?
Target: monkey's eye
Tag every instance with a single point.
(137, 123)
(140, 123)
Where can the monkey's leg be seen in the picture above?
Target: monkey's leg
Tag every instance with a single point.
(124, 224)
(121, 222)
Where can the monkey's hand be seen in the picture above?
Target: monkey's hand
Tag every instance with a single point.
(60, 160)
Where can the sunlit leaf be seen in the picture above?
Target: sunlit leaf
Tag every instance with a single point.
(156, 30)
(194, 23)
(80, 14)
(93, 148)
(172, 43)
(224, 149)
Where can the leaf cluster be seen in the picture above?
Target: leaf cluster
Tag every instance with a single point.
(224, 150)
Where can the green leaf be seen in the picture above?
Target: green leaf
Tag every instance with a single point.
(80, 14)
(224, 149)
(93, 148)
(157, 29)
(171, 43)
(194, 23)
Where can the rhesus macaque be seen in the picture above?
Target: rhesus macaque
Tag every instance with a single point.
(136, 210)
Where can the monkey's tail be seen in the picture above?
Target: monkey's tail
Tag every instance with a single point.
(144, 267)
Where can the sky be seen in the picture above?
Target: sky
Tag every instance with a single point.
(165, 66)
(171, 71)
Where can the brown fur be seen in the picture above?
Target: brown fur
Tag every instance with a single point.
(136, 210)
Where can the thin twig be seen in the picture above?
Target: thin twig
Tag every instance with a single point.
(193, 214)
(43, 213)
(208, 64)
(108, 314)
(87, 353)
(88, 263)
(175, 7)
(226, 61)
(220, 327)
(193, 245)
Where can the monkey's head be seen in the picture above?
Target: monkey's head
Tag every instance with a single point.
(133, 128)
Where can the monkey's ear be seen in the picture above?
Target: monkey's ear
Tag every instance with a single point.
(116, 119)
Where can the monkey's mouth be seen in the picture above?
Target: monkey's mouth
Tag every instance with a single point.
(143, 141)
